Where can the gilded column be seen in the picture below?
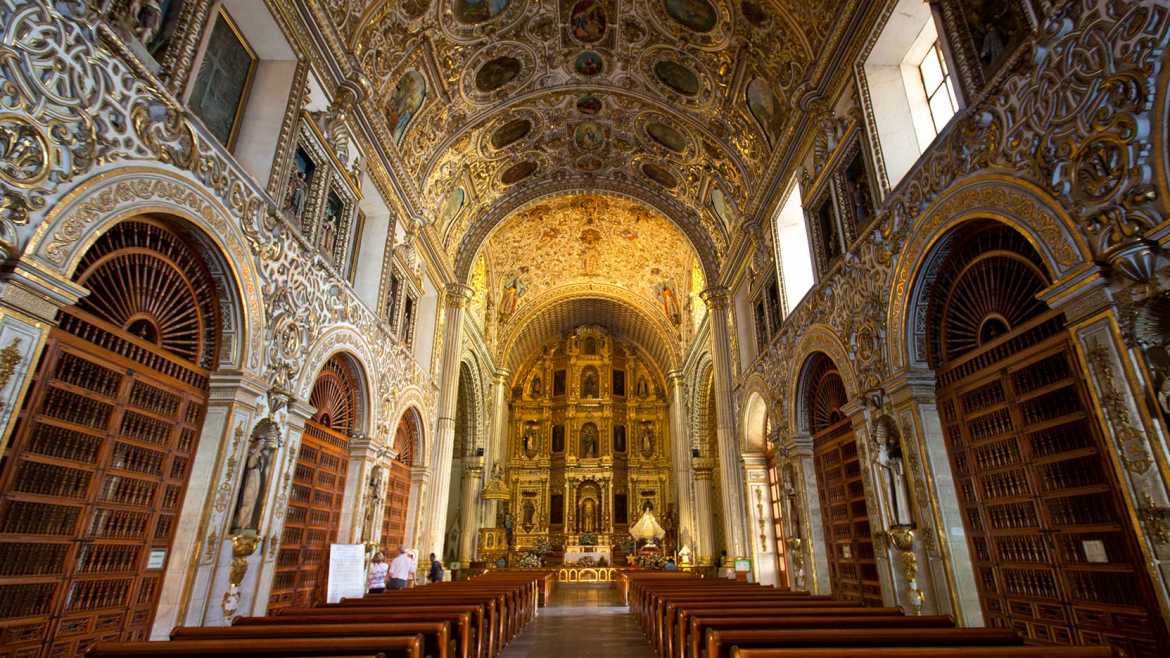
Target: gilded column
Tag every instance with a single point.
(704, 526)
(457, 297)
(681, 462)
(497, 455)
(472, 484)
(730, 462)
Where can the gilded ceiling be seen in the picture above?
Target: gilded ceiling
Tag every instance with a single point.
(587, 246)
(490, 104)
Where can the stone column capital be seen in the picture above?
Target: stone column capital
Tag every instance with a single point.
(458, 295)
(501, 376)
(716, 298)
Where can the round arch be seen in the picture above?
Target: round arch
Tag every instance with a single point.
(410, 409)
(754, 418)
(92, 208)
(342, 340)
(819, 339)
(701, 414)
(1020, 205)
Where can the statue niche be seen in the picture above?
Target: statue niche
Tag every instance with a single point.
(531, 439)
(588, 441)
(588, 508)
(264, 441)
(589, 384)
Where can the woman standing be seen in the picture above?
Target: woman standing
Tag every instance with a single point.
(376, 581)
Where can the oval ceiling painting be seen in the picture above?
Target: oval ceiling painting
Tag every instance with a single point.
(408, 96)
(659, 174)
(589, 63)
(677, 77)
(517, 172)
(497, 73)
(472, 12)
(764, 107)
(511, 132)
(589, 104)
(754, 13)
(667, 136)
(587, 21)
(589, 136)
(698, 15)
(452, 204)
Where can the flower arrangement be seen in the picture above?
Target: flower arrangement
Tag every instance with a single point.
(530, 560)
(651, 561)
(589, 539)
(628, 545)
(542, 548)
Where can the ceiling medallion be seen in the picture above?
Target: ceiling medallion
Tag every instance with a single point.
(589, 104)
(518, 172)
(510, 133)
(677, 77)
(697, 15)
(589, 64)
(408, 97)
(473, 12)
(589, 136)
(659, 174)
(496, 73)
(666, 136)
(587, 21)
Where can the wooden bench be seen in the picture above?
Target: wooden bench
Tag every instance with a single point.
(481, 632)
(397, 646)
(436, 634)
(929, 652)
(690, 644)
(719, 643)
(462, 634)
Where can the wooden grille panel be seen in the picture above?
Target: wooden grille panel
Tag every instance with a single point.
(88, 491)
(1054, 556)
(398, 487)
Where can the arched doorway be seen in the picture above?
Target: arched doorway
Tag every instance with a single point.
(315, 502)
(398, 486)
(848, 541)
(764, 500)
(463, 451)
(1053, 550)
(92, 482)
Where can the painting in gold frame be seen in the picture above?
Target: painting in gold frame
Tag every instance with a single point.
(221, 87)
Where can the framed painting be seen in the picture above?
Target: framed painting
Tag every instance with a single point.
(225, 77)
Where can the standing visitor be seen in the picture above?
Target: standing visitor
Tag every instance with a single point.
(435, 575)
(400, 570)
(376, 581)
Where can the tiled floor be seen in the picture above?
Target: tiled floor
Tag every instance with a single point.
(581, 621)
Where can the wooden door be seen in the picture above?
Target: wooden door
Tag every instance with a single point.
(318, 488)
(848, 540)
(398, 487)
(93, 479)
(1054, 554)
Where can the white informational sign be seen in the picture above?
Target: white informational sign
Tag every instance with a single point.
(1095, 551)
(347, 572)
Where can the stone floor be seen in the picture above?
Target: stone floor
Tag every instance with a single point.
(582, 621)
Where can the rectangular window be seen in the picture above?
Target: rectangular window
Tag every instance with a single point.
(556, 509)
(559, 383)
(619, 383)
(408, 321)
(936, 82)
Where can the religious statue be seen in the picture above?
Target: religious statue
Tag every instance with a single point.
(531, 440)
(250, 502)
(993, 44)
(536, 389)
(1164, 395)
(890, 460)
(647, 440)
(589, 384)
(529, 514)
(509, 524)
(294, 198)
(588, 515)
(647, 527)
(144, 19)
(373, 497)
(589, 440)
(643, 388)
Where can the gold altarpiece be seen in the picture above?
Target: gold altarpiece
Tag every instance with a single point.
(589, 442)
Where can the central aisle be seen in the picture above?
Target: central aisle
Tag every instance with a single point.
(581, 621)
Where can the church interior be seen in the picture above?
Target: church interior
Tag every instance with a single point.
(697, 328)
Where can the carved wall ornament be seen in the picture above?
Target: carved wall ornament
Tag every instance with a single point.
(1132, 442)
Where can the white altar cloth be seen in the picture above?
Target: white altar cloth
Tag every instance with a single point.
(575, 553)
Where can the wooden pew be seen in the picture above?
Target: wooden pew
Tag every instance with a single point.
(481, 640)
(462, 634)
(436, 634)
(397, 646)
(929, 652)
(719, 643)
(690, 644)
(492, 603)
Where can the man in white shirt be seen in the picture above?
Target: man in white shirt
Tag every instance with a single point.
(401, 570)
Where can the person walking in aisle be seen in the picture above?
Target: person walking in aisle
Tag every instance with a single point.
(376, 580)
(435, 575)
(400, 570)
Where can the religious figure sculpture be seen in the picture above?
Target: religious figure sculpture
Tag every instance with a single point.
(647, 440)
(643, 388)
(589, 384)
(647, 527)
(294, 199)
(529, 514)
(537, 388)
(589, 440)
(250, 502)
(145, 19)
(531, 440)
(588, 515)
(1164, 395)
(886, 436)
(373, 498)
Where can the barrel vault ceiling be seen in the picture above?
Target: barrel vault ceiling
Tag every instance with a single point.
(487, 105)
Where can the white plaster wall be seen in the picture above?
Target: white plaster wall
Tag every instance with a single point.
(256, 143)
(374, 237)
